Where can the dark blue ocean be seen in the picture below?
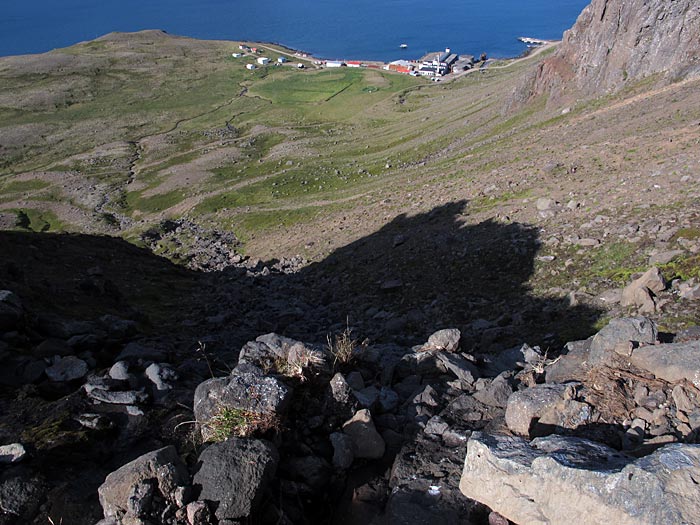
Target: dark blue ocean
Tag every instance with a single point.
(362, 29)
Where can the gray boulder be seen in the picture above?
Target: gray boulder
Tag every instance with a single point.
(233, 476)
(570, 480)
(670, 362)
(245, 389)
(133, 490)
(526, 407)
(638, 330)
(67, 369)
(447, 340)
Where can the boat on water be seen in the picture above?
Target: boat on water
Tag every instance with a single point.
(403, 46)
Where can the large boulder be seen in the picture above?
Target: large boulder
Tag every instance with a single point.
(141, 488)
(246, 389)
(637, 330)
(233, 476)
(571, 480)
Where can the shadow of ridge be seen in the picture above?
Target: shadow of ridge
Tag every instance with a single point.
(413, 276)
(432, 270)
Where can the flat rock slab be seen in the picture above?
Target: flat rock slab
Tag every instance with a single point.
(459, 366)
(559, 480)
(670, 362)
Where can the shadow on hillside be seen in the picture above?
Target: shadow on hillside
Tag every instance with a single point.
(415, 275)
(429, 271)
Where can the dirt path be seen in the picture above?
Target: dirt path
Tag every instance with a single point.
(635, 99)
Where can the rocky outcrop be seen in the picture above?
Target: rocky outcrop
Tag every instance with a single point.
(560, 479)
(615, 42)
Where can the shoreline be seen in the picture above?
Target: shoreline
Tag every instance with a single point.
(532, 47)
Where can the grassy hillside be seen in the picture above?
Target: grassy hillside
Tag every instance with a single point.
(114, 135)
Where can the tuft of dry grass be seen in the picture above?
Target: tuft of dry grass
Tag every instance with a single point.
(342, 347)
(236, 422)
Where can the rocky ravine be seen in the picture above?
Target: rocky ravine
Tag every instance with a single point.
(342, 432)
(615, 42)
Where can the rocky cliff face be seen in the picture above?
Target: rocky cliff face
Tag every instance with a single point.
(617, 41)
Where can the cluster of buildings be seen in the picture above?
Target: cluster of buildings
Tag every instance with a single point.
(434, 65)
(263, 61)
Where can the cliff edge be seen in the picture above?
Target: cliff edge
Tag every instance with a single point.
(614, 42)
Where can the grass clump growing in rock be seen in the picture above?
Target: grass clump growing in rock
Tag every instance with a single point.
(237, 422)
(342, 347)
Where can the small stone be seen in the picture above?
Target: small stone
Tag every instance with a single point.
(463, 369)
(543, 204)
(496, 519)
(367, 397)
(129, 397)
(682, 399)
(67, 369)
(664, 257)
(198, 513)
(120, 371)
(355, 381)
(13, 453)
(161, 375)
(134, 411)
(447, 340)
(690, 293)
(436, 426)
(343, 455)
(388, 400)
(367, 443)
(496, 394)
(95, 421)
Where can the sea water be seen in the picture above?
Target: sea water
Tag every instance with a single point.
(334, 29)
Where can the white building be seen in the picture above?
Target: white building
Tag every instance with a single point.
(334, 63)
(250, 66)
(263, 61)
